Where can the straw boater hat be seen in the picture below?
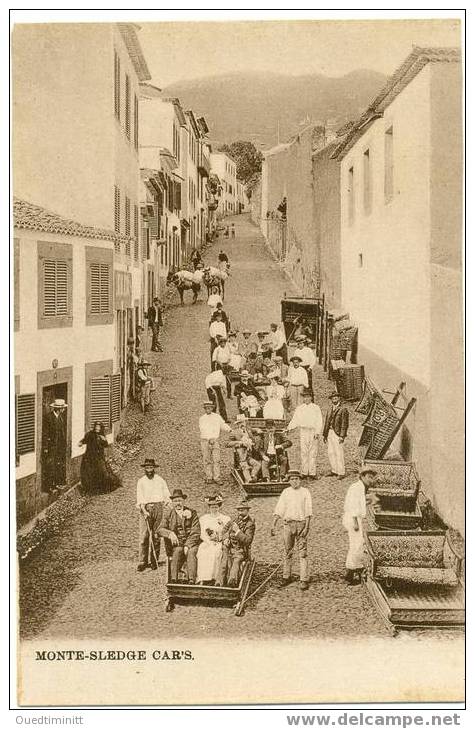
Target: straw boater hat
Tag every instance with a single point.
(178, 494)
(58, 403)
(149, 463)
(208, 402)
(293, 472)
(296, 357)
(273, 375)
(246, 331)
(245, 373)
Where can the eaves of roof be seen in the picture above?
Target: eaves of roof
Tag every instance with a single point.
(402, 77)
(27, 216)
(128, 32)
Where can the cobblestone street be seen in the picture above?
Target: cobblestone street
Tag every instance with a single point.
(83, 582)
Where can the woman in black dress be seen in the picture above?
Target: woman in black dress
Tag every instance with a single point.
(97, 476)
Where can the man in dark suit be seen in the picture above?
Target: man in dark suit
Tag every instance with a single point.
(155, 322)
(180, 527)
(334, 433)
(275, 448)
(237, 539)
(54, 447)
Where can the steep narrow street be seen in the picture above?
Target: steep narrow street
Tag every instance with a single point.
(83, 582)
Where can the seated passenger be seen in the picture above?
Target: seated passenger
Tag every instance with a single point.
(275, 448)
(243, 389)
(274, 407)
(209, 552)
(242, 444)
(237, 539)
(257, 458)
(180, 527)
(236, 359)
(254, 361)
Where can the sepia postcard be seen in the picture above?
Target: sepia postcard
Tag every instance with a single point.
(237, 320)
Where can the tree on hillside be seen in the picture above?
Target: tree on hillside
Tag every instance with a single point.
(248, 160)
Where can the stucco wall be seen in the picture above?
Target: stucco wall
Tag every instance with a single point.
(326, 185)
(72, 346)
(388, 295)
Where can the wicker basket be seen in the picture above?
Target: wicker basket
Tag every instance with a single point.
(365, 404)
(349, 381)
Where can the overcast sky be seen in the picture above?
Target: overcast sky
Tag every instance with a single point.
(176, 51)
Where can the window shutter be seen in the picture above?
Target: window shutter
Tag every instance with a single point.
(171, 201)
(127, 225)
(95, 291)
(56, 287)
(25, 424)
(115, 397)
(136, 232)
(127, 106)
(117, 213)
(49, 301)
(99, 293)
(136, 122)
(178, 195)
(155, 221)
(145, 239)
(117, 84)
(100, 399)
(105, 288)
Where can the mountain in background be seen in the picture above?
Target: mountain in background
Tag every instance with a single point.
(250, 106)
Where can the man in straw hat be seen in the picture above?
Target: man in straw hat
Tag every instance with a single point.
(335, 431)
(308, 419)
(294, 507)
(54, 446)
(180, 527)
(354, 511)
(308, 357)
(298, 380)
(152, 493)
(211, 424)
(237, 539)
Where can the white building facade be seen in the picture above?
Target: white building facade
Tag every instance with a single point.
(225, 168)
(401, 248)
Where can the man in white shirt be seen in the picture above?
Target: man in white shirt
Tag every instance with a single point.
(215, 383)
(221, 360)
(278, 341)
(298, 380)
(294, 507)
(211, 424)
(354, 511)
(152, 494)
(308, 358)
(217, 329)
(308, 418)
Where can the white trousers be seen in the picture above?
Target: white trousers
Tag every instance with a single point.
(308, 451)
(336, 454)
(355, 556)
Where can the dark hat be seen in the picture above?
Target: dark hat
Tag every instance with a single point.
(300, 338)
(296, 357)
(307, 391)
(293, 472)
(178, 494)
(262, 333)
(334, 394)
(244, 504)
(214, 499)
(368, 469)
(149, 463)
